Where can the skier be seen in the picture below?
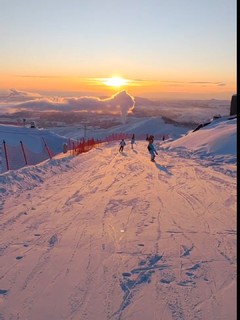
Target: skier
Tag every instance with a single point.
(132, 140)
(122, 144)
(152, 150)
(151, 138)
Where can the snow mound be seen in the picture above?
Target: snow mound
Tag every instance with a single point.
(218, 139)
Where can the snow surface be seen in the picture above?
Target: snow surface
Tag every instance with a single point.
(105, 235)
(31, 137)
(141, 126)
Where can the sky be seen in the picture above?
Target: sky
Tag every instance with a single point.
(162, 49)
(105, 235)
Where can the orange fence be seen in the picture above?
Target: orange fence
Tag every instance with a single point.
(18, 156)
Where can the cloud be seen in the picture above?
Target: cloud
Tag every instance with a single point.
(120, 103)
(221, 84)
(18, 96)
(37, 76)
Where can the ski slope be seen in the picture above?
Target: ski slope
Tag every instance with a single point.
(114, 236)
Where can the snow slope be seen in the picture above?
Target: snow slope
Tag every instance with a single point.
(217, 138)
(108, 236)
(31, 137)
(139, 126)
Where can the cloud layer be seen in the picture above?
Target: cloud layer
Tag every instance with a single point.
(120, 103)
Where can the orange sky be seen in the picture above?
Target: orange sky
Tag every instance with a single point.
(153, 89)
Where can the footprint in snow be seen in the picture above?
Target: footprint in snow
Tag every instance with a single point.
(187, 283)
(3, 292)
(52, 241)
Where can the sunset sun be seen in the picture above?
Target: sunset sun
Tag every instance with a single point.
(115, 82)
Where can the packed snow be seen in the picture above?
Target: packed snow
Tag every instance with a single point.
(108, 235)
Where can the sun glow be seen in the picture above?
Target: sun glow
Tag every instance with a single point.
(115, 82)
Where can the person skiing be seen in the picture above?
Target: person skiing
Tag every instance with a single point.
(122, 144)
(152, 150)
(151, 138)
(132, 140)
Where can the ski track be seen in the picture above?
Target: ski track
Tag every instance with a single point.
(132, 250)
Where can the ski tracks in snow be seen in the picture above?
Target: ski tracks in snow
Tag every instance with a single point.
(118, 237)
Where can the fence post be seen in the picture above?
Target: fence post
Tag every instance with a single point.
(69, 145)
(6, 156)
(73, 148)
(48, 151)
(24, 154)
